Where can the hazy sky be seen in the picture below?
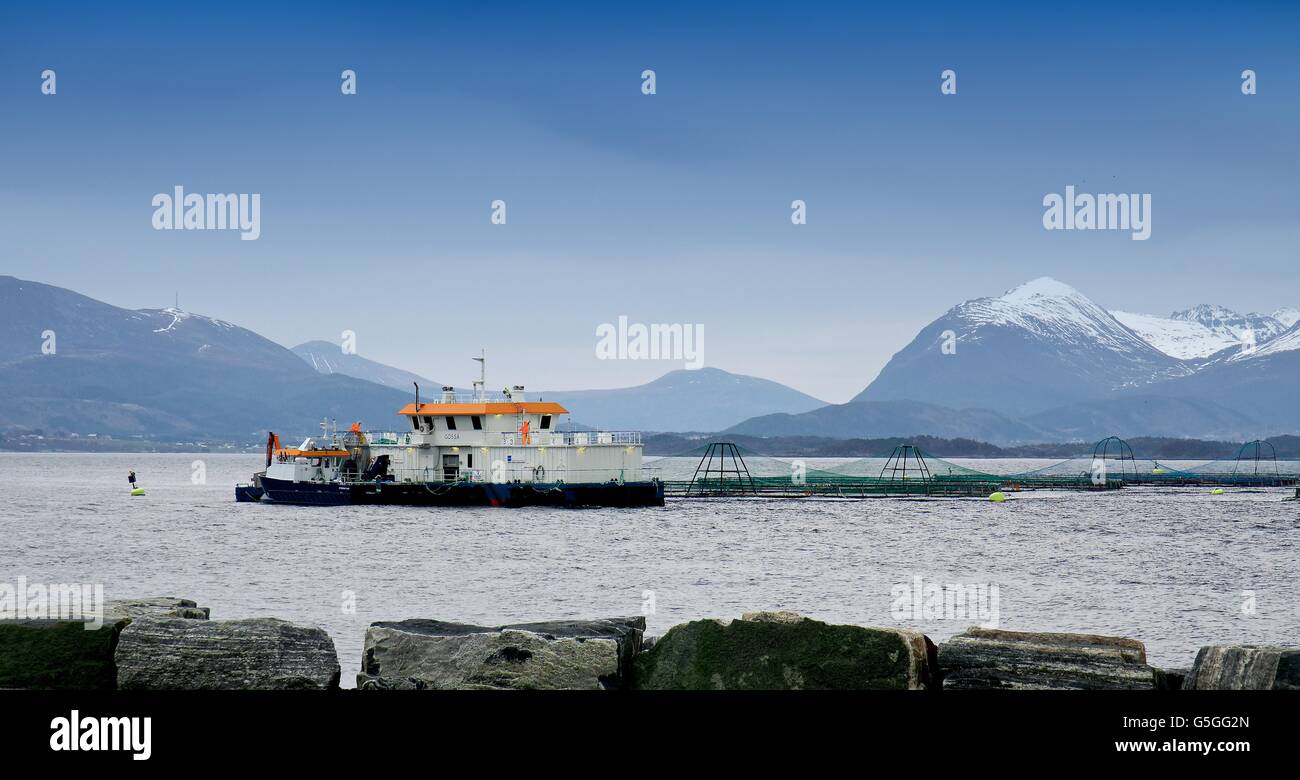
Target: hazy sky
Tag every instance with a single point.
(673, 207)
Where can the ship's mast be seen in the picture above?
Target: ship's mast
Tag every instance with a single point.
(481, 384)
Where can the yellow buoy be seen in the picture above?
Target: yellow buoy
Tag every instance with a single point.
(137, 491)
(1157, 470)
(998, 497)
(1216, 492)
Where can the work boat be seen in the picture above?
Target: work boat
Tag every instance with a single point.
(470, 450)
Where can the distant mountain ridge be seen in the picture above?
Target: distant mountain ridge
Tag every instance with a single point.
(157, 371)
(876, 419)
(327, 358)
(704, 399)
(1155, 416)
(168, 372)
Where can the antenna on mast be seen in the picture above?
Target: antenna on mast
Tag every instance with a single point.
(481, 384)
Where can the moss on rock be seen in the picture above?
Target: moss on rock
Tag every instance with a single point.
(57, 654)
(67, 653)
(781, 651)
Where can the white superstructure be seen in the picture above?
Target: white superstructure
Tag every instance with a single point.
(474, 438)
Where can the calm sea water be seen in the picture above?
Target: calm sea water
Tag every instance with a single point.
(1167, 567)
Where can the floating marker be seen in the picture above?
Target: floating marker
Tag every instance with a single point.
(1157, 470)
(998, 497)
(1216, 492)
(137, 491)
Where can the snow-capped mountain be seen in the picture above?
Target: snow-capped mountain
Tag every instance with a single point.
(1045, 354)
(1206, 330)
(1229, 323)
(1038, 346)
(1288, 316)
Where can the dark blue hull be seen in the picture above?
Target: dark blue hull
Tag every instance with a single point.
(509, 494)
(248, 493)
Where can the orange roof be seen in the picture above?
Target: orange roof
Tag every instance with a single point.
(502, 407)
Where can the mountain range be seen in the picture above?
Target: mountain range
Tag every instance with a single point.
(1041, 362)
(704, 399)
(1047, 356)
(167, 372)
(72, 363)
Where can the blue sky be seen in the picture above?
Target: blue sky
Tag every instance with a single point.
(666, 208)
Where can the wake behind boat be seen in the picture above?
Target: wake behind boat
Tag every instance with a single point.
(461, 450)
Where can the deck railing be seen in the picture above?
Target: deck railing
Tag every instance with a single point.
(521, 473)
(472, 438)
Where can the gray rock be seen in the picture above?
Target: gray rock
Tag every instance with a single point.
(436, 655)
(61, 654)
(168, 653)
(1245, 668)
(165, 606)
(784, 651)
(990, 658)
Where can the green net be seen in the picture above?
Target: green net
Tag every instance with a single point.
(727, 469)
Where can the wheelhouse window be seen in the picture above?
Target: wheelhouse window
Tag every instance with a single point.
(415, 423)
(546, 422)
(477, 422)
(451, 423)
(428, 423)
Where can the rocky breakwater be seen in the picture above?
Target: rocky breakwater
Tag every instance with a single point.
(991, 658)
(565, 654)
(76, 652)
(786, 651)
(163, 644)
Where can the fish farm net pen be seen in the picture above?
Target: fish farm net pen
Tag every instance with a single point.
(724, 469)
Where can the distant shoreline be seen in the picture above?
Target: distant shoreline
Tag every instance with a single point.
(687, 445)
(1144, 447)
(121, 447)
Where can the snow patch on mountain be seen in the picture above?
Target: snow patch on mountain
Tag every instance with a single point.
(178, 316)
(1179, 338)
(322, 364)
